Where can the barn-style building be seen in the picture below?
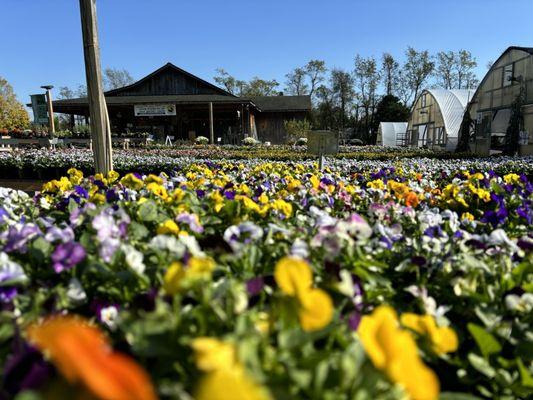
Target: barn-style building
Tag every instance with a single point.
(174, 102)
(509, 79)
(436, 118)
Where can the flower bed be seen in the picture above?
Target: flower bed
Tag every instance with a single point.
(49, 164)
(262, 280)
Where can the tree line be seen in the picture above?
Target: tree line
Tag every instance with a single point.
(373, 90)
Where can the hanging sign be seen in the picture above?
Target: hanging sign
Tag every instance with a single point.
(154, 110)
(40, 109)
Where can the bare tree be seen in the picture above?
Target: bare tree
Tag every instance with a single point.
(315, 70)
(295, 83)
(389, 73)
(342, 87)
(445, 69)
(466, 77)
(415, 72)
(115, 78)
(65, 93)
(366, 79)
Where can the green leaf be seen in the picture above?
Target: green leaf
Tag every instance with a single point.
(525, 376)
(486, 342)
(482, 365)
(147, 211)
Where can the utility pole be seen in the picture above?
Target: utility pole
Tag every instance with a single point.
(101, 134)
(51, 126)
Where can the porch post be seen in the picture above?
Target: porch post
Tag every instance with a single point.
(211, 126)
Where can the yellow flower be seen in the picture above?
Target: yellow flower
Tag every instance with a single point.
(282, 206)
(173, 277)
(157, 189)
(467, 215)
(153, 179)
(316, 309)
(394, 351)
(76, 176)
(168, 227)
(248, 203)
(293, 275)
(212, 354)
(443, 339)
(225, 385)
(132, 182)
(295, 278)
(511, 179)
(200, 267)
(218, 199)
(263, 199)
(112, 176)
(376, 184)
(314, 181)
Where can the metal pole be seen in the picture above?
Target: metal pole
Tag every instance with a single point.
(101, 135)
(51, 124)
(211, 127)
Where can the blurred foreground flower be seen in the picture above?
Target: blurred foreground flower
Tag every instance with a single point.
(226, 378)
(443, 339)
(83, 355)
(295, 278)
(394, 351)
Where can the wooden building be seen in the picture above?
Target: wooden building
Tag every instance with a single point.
(436, 118)
(490, 112)
(173, 102)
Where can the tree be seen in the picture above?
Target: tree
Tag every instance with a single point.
(232, 85)
(296, 129)
(259, 87)
(342, 91)
(390, 109)
(295, 83)
(65, 93)
(415, 73)
(390, 73)
(13, 115)
(315, 70)
(445, 70)
(324, 113)
(466, 77)
(366, 79)
(115, 78)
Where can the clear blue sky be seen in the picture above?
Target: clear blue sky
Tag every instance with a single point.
(40, 40)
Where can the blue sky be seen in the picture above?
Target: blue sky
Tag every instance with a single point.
(40, 40)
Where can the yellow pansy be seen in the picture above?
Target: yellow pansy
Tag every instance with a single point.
(168, 227)
(224, 385)
(153, 179)
(295, 278)
(315, 182)
(248, 203)
(157, 189)
(212, 354)
(282, 206)
(293, 275)
(218, 199)
(443, 339)
(76, 176)
(376, 184)
(316, 310)
(263, 199)
(200, 267)
(394, 351)
(173, 277)
(132, 182)
(511, 179)
(112, 176)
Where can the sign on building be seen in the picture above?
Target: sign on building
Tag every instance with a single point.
(40, 109)
(523, 138)
(154, 110)
(323, 142)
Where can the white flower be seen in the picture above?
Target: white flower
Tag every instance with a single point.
(10, 270)
(109, 316)
(300, 249)
(168, 243)
(75, 291)
(134, 258)
(522, 303)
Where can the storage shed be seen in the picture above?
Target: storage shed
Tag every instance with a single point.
(436, 118)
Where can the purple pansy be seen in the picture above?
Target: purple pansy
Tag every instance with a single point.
(67, 255)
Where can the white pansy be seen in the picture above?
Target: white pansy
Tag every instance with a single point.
(75, 291)
(134, 258)
(109, 316)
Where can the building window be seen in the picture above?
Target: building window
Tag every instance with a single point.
(508, 75)
(424, 100)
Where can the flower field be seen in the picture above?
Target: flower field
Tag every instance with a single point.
(257, 279)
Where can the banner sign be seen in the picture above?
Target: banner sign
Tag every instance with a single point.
(154, 110)
(40, 109)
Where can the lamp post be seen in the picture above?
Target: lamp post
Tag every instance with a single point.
(51, 126)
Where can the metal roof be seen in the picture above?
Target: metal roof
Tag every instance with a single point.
(390, 131)
(452, 105)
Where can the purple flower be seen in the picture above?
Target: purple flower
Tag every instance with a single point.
(353, 320)
(67, 255)
(18, 237)
(11, 274)
(255, 285)
(55, 233)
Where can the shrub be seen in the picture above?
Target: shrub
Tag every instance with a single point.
(201, 140)
(250, 141)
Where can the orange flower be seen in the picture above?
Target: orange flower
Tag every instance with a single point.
(83, 354)
(411, 200)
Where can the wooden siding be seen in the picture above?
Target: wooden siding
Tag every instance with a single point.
(271, 128)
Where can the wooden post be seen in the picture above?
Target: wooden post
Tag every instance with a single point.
(51, 122)
(100, 133)
(211, 127)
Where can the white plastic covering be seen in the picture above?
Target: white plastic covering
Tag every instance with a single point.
(389, 132)
(452, 105)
